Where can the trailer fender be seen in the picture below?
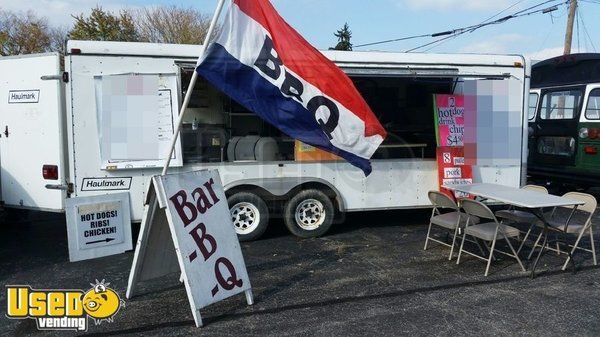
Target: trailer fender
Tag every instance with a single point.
(279, 187)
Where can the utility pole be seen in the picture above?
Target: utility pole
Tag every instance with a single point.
(570, 20)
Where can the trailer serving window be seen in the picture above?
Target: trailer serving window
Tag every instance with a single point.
(404, 106)
(217, 129)
(563, 104)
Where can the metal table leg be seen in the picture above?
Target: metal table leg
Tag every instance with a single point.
(542, 248)
(540, 215)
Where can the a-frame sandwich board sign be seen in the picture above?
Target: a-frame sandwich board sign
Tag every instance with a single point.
(187, 227)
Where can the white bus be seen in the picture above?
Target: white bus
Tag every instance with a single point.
(67, 130)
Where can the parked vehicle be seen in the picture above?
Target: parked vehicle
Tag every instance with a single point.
(59, 140)
(564, 119)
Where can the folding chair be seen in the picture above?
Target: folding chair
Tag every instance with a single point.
(453, 220)
(519, 216)
(570, 220)
(488, 231)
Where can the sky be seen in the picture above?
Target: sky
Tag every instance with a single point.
(537, 36)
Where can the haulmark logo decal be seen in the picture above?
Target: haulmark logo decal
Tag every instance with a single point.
(106, 184)
(23, 96)
(61, 309)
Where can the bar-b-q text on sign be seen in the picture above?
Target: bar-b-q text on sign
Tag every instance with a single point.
(203, 239)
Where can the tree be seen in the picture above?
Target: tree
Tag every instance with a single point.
(58, 38)
(23, 33)
(102, 25)
(344, 35)
(171, 24)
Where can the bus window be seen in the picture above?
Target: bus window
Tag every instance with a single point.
(560, 104)
(593, 105)
(533, 98)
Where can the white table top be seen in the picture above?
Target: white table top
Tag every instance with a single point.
(514, 196)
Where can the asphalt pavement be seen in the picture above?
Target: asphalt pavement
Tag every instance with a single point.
(369, 276)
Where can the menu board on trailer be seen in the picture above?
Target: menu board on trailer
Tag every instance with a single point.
(450, 126)
(449, 119)
(452, 169)
(136, 115)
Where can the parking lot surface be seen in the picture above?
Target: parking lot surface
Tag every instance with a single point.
(369, 276)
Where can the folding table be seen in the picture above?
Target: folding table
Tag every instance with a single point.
(529, 200)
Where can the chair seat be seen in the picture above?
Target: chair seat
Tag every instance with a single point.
(449, 220)
(574, 227)
(558, 221)
(486, 231)
(517, 215)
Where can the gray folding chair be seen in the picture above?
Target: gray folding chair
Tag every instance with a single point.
(515, 215)
(488, 231)
(453, 220)
(570, 220)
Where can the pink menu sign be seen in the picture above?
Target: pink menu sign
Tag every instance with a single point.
(449, 119)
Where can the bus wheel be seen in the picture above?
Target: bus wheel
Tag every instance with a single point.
(249, 214)
(309, 214)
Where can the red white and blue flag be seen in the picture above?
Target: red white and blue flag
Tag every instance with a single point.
(267, 67)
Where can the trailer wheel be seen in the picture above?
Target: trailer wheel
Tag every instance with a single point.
(249, 214)
(309, 214)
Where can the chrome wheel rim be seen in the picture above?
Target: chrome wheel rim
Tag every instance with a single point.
(245, 217)
(310, 214)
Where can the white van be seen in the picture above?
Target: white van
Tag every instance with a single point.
(62, 135)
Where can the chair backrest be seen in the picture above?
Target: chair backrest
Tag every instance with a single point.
(536, 188)
(441, 200)
(590, 201)
(477, 208)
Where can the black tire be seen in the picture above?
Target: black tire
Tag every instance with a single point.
(309, 225)
(248, 206)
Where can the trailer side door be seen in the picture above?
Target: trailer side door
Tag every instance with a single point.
(31, 131)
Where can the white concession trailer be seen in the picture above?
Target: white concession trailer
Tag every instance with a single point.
(72, 126)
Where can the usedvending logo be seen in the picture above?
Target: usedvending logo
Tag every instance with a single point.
(62, 309)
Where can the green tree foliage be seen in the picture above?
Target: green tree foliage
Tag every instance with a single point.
(23, 33)
(102, 25)
(344, 35)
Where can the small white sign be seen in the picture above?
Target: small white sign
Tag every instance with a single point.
(459, 161)
(447, 158)
(106, 184)
(452, 172)
(204, 241)
(23, 96)
(98, 226)
(461, 181)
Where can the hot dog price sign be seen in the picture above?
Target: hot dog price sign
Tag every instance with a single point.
(449, 119)
(203, 245)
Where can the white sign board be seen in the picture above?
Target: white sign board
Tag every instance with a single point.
(136, 115)
(98, 226)
(23, 96)
(204, 241)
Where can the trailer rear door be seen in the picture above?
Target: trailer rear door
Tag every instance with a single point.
(31, 131)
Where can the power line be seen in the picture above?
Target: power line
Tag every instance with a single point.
(524, 12)
(502, 11)
(586, 31)
(471, 28)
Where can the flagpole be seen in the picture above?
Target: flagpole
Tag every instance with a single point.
(188, 93)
